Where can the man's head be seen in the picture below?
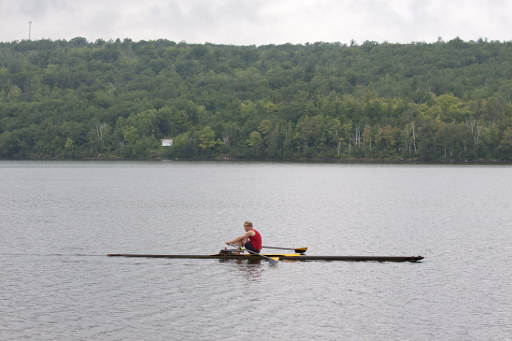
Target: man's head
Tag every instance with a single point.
(248, 225)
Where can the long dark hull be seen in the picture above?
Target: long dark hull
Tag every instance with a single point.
(282, 257)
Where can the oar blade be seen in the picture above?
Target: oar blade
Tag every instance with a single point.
(273, 260)
(301, 250)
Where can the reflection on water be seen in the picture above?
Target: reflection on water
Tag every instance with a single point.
(59, 220)
(251, 270)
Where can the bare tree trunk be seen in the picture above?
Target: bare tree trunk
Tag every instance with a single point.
(226, 140)
(478, 132)
(338, 142)
(100, 128)
(414, 137)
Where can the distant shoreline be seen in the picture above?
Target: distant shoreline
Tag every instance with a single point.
(305, 161)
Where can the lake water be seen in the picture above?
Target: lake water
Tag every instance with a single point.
(58, 220)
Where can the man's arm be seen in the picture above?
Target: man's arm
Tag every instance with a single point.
(246, 235)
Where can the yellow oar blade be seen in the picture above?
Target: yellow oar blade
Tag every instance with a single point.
(273, 260)
(301, 249)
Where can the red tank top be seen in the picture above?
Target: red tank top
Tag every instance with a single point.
(256, 240)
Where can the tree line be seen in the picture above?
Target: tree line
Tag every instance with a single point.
(430, 102)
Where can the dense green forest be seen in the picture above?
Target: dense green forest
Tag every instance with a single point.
(430, 102)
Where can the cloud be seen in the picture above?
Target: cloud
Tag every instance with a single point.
(244, 22)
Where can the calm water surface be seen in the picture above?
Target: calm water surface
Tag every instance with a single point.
(59, 219)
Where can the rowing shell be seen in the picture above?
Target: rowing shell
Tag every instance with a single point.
(293, 256)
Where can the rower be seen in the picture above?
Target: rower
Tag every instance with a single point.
(251, 239)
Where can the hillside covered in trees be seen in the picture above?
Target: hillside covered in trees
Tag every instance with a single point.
(443, 101)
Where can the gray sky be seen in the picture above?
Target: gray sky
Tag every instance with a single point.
(258, 22)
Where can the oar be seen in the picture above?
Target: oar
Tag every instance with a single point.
(272, 260)
(298, 249)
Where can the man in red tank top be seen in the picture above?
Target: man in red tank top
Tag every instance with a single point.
(251, 239)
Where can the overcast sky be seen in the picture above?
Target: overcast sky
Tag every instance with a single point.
(257, 22)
